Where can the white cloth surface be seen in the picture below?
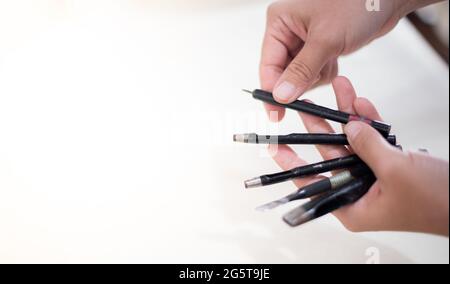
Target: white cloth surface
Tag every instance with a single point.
(116, 119)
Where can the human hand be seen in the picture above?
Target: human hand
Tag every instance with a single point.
(304, 38)
(412, 189)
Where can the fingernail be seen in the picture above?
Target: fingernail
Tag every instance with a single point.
(352, 129)
(286, 92)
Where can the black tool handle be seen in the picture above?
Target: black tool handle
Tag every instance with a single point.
(326, 166)
(360, 170)
(347, 195)
(313, 169)
(314, 189)
(311, 139)
(332, 183)
(323, 112)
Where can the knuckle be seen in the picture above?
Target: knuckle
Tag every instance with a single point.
(301, 71)
(334, 71)
(328, 43)
(329, 73)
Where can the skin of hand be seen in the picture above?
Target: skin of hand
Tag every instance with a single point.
(304, 38)
(412, 189)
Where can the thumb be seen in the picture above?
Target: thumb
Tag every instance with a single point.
(302, 73)
(369, 145)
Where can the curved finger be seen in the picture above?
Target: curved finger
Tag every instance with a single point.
(280, 46)
(303, 71)
(274, 59)
(316, 124)
(328, 73)
(345, 94)
(365, 108)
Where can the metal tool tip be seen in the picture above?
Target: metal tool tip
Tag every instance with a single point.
(247, 91)
(245, 138)
(239, 138)
(298, 217)
(272, 205)
(252, 183)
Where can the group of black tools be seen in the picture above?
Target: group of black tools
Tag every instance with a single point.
(329, 194)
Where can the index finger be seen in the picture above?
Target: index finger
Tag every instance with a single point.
(273, 62)
(277, 52)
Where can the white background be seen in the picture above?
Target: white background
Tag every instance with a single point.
(116, 120)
